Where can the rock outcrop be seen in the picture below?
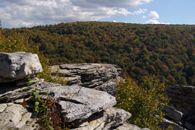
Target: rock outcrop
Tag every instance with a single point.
(180, 114)
(18, 65)
(86, 108)
(91, 75)
(182, 98)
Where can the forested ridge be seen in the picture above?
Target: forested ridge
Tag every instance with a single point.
(168, 51)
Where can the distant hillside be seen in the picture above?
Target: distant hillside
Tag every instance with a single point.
(167, 51)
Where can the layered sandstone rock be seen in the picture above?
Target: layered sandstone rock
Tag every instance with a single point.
(181, 114)
(86, 108)
(90, 75)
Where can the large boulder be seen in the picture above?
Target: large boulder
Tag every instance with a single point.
(18, 65)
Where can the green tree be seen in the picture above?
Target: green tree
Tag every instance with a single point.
(182, 80)
(154, 56)
(145, 103)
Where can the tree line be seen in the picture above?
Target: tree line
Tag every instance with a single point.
(167, 51)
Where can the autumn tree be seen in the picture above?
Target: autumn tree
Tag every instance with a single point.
(145, 102)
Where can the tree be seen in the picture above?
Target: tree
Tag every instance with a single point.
(145, 103)
(182, 80)
(154, 56)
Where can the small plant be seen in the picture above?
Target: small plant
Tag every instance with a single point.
(48, 113)
(29, 81)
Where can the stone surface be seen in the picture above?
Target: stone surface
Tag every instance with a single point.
(2, 107)
(91, 75)
(166, 123)
(14, 117)
(109, 87)
(88, 109)
(23, 82)
(11, 92)
(107, 119)
(71, 80)
(110, 119)
(115, 117)
(183, 105)
(18, 65)
(18, 101)
(172, 113)
(92, 107)
(126, 126)
(78, 102)
(182, 98)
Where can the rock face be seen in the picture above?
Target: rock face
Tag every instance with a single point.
(183, 98)
(91, 75)
(18, 65)
(82, 102)
(181, 114)
(86, 108)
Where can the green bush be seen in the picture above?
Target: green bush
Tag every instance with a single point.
(144, 103)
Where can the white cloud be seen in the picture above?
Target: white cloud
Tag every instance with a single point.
(114, 21)
(109, 3)
(153, 15)
(152, 21)
(140, 11)
(19, 13)
(164, 23)
(144, 17)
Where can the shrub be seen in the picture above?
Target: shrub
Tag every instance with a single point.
(48, 112)
(144, 103)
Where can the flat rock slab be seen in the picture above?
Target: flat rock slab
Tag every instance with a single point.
(76, 101)
(18, 65)
(82, 66)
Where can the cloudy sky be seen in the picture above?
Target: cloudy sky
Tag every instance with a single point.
(28, 13)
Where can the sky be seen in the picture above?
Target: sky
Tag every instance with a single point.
(29, 13)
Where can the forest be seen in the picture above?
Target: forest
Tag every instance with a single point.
(166, 51)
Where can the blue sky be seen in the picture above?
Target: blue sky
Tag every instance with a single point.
(28, 13)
